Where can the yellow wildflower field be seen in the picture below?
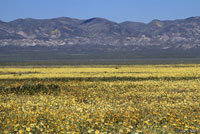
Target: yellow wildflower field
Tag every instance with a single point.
(100, 99)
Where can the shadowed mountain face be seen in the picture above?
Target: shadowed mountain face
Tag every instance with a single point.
(67, 32)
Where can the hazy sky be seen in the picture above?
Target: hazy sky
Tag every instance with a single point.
(115, 10)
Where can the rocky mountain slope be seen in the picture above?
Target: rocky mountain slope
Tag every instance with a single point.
(183, 34)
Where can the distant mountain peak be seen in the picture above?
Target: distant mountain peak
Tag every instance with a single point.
(95, 20)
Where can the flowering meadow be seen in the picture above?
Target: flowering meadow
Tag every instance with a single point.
(136, 99)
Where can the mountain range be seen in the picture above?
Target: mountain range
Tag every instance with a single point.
(169, 34)
(66, 40)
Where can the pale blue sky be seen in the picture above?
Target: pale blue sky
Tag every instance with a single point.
(115, 10)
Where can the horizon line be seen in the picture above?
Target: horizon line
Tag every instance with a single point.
(99, 18)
